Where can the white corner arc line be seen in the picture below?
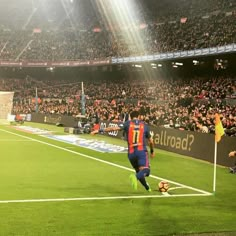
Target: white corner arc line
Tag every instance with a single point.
(173, 188)
(181, 185)
(106, 162)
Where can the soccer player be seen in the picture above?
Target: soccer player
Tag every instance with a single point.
(232, 169)
(137, 132)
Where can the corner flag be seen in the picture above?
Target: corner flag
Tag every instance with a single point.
(219, 130)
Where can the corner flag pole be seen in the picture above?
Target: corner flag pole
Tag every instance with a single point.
(219, 131)
(215, 161)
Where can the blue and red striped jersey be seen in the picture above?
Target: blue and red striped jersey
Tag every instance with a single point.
(136, 132)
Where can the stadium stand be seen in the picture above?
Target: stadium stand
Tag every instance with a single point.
(179, 104)
(62, 38)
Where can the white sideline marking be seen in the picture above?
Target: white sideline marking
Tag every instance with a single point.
(70, 147)
(203, 193)
(3, 123)
(15, 140)
(103, 198)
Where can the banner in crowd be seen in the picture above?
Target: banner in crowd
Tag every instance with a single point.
(53, 64)
(183, 20)
(176, 55)
(120, 60)
(54, 119)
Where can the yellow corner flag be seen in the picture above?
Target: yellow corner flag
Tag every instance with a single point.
(219, 130)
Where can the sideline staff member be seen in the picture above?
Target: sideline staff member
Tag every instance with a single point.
(232, 169)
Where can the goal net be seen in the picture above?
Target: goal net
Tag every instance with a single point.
(6, 102)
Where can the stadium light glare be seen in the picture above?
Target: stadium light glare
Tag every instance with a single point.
(124, 15)
(179, 63)
(195, 62)
(50, 69)
(138, 66)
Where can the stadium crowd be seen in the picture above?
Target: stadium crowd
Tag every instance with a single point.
(192, 25)
(186, 105)
(98, 32)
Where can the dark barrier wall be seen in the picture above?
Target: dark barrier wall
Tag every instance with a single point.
(194, 144)
(66, 121)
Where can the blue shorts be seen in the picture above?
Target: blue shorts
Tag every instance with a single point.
(138, 159)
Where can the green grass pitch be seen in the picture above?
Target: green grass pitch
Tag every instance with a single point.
(50, 187)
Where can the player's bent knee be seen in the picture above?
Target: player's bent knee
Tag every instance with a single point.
(143, 171)
(142, 167)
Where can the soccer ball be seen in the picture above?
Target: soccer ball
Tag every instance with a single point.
(163, 186)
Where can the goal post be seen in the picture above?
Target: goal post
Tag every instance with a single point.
(6, 103)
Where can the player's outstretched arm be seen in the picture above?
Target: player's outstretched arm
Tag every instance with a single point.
(151, 145)
(108, 129)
